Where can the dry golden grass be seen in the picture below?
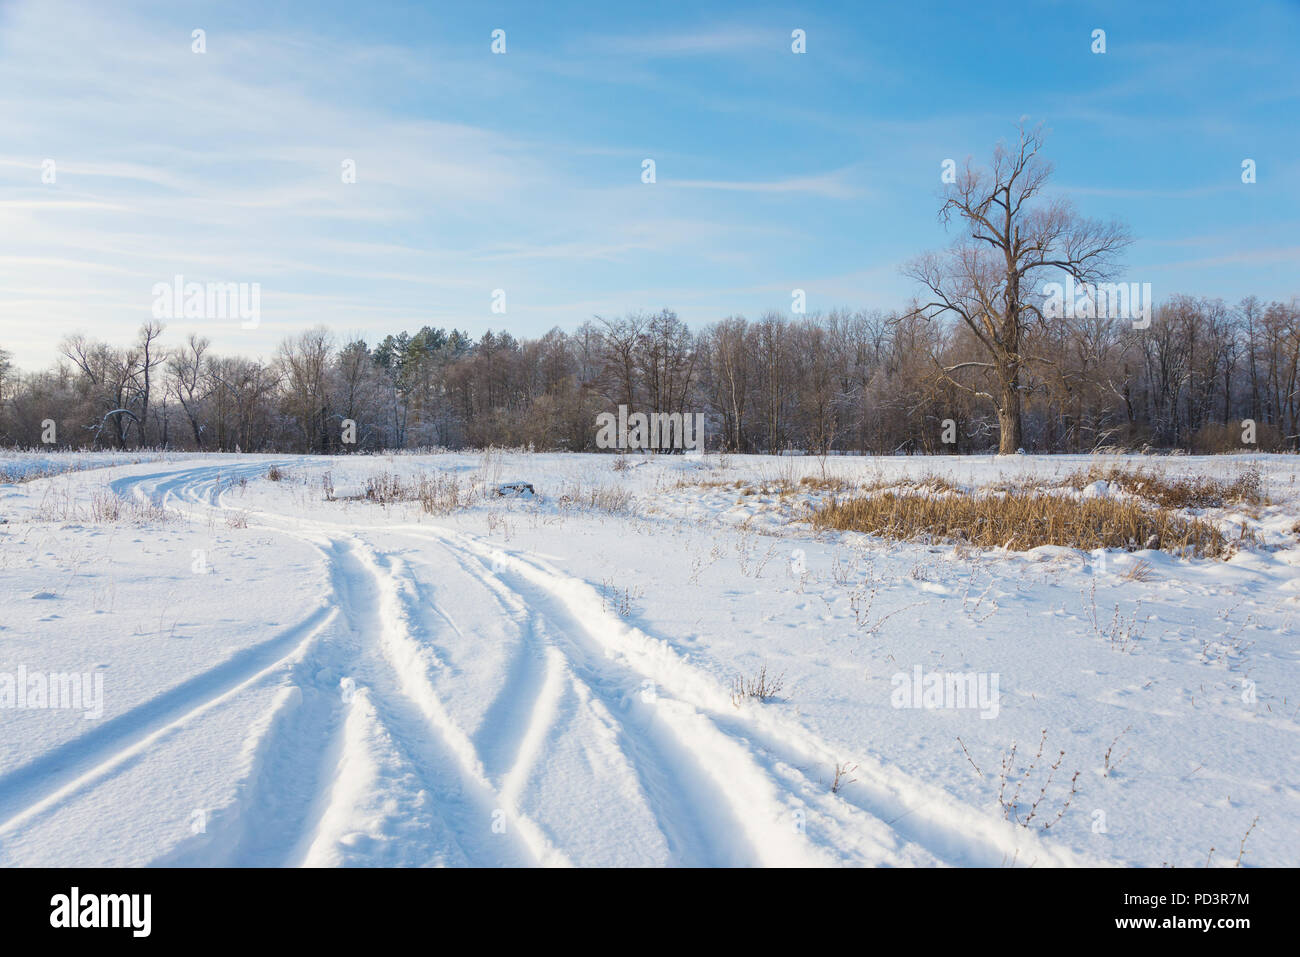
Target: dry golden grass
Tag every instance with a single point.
(1022, 520)
(1201, 491)
(1141, 571)
(817, 484)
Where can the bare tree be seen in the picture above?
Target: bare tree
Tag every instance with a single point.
(188, 382)
(1013, 240)
(106, 377)
(150, 357)
(304, 367)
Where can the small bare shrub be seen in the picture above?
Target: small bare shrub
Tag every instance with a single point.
(1012, 806)
(620, 599)
(575, 496)
(843, 776)
(1110, 763)
(1242, 852)
(387, 488)
(760, 686)
(439, 493)
(105, 506)
(442, 494)
(490, 465)
(1121, 632)
(274, 474)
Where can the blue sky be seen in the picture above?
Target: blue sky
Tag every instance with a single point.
(522, 171)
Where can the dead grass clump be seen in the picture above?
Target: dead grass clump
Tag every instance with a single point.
(442, 494)
(274, 474)
(822, 484)
(438, 494)
(578, 497)
(105, 507)
(934, 483)
(1200, 491)
(387, 488)
(1141, 571)
(1021, 521)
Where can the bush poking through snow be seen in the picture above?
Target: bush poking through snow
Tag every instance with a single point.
(843, 776)
(760, 686)
(274, 474)
(438, 493)
(106, 507)
(619, 600)
(577, 497)
(1110, 762)
(1121, 632)
(443, 494)
(1012, 807)
(1242, 852)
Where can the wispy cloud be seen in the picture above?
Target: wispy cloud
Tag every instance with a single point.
(714, 39)
(831, 185)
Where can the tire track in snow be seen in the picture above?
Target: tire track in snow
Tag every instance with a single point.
(714, 807)
(45, 782)
(287, 757)
(395, 670)
(905, 816)
(396, 720)
(525, 716)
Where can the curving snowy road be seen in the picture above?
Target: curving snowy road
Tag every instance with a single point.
(599, 745)
(354, 684)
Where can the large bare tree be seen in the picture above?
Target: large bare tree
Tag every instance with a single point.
(1013, 240)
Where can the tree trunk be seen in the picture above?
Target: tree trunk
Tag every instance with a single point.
(1010, 438)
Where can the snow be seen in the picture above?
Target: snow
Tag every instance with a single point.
(1099, 489)
(548, 680)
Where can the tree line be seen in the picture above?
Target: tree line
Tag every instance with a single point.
(856, 382)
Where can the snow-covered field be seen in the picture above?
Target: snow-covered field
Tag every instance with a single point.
(293, 680)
